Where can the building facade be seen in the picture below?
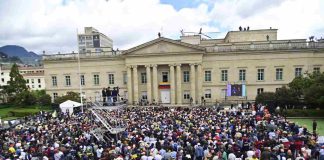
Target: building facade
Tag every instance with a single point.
(34, 77)
(94, 41)
(192, 69)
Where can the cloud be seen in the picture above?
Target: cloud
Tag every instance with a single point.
(52, 25)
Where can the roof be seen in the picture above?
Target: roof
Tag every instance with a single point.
(163, 39)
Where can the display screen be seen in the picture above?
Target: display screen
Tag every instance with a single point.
(236, 90)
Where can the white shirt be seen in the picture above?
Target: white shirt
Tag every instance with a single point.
(321, 152)
(99, 152)
(231, 156)
(144, 158)
(158, 157)
(250, 154)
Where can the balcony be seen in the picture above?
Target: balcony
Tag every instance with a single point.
(260, 46)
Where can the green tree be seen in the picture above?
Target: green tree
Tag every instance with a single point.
(266, 98)
(314, 94)
(73, 96)
(17, 83)
(42, 98)
(285, 96)
(299, 84)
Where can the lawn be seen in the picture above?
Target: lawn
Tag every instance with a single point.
(309, 124)
(20, 111)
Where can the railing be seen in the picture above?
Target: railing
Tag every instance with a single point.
(82, 55)
(265, 46)
(112, 130)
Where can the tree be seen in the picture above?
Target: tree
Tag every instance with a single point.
(299, 84)
(314, 94)
(42, 98)
(266, 98)
(17, 83)
(286, 97)
(73, 96)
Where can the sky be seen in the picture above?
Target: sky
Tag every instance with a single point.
(52, 25)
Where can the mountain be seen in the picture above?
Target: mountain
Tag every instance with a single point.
(21, 53)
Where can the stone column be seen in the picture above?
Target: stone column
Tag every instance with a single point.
(148, 83)
(179, 82)
(199, 83)
(135, 75)
(172, 84)
(192, 83)
(129, 85)
(155, 84)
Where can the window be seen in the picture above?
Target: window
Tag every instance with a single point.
(224, 75)
(68, 80)
(316, 70)
(55, 95)
(186, 95)
(54, 81)
(165, 77)
(27, 80)
(279, 74)
(125, 78)
(259, 90)
(2, 80)
(186, 76)
(32, 81)
(96, 79)
(242, 74)
(260, 74)
(298, 72)
(143, 78)
(82, 81)
(39, 86)
(111, 78)
(39, 80)
(223, 93)
(207, 76)
(33, 86)
(207, 93)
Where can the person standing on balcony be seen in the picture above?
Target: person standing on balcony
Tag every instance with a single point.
(104, 95)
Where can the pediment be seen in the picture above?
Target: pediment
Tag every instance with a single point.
(163, 45)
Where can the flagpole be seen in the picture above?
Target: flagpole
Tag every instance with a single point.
(79, 69)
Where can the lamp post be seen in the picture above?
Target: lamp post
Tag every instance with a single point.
(79, 73)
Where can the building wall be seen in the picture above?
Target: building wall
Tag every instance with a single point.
(88, 68)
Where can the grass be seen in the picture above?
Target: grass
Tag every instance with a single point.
(309, 124)
(6, 110)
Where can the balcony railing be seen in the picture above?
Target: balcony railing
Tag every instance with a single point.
(82, 55)
(265, 46)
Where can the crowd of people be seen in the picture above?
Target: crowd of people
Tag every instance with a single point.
(163, 133)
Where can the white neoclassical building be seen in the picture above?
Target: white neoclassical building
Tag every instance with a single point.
(234, 68)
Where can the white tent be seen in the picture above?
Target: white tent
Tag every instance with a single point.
(68, 106)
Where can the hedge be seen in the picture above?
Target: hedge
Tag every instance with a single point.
(304, 113)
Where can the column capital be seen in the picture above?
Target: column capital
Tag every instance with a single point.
(134, 66)
(198, 64)
(172, 65)
(154, 65)
(148, 65)
(192, 64)
(128, 67)
(178, 64)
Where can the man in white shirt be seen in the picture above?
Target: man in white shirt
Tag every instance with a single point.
(99, 151)
(158, 157)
